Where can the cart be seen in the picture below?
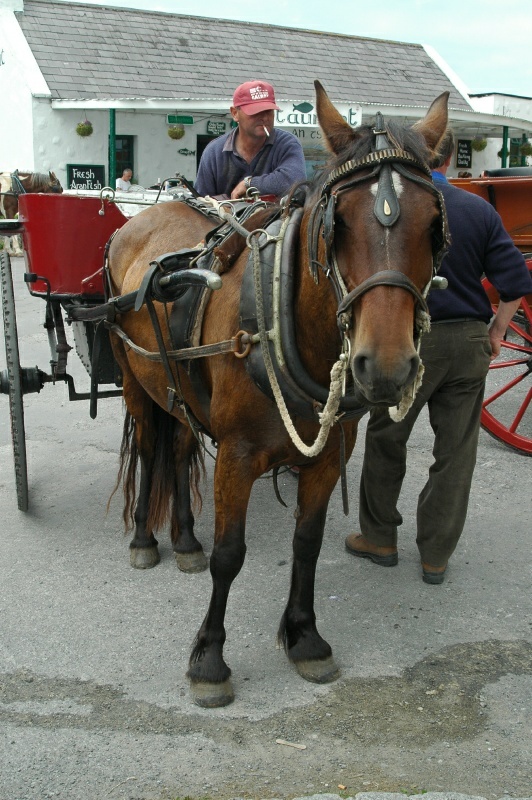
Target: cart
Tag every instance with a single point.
(64, 237)
(507, 407)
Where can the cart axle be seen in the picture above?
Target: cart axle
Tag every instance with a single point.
(32, 380)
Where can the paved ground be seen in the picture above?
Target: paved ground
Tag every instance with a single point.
(436, 681)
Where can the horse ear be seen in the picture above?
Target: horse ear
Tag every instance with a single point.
(434, 124)
(337, 132)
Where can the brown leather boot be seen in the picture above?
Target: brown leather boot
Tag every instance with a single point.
(434, 575)
(358, 545)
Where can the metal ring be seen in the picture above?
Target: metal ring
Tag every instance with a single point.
(258, 232)
(238, 339)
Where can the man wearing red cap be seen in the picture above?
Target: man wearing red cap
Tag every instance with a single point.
(254, 153)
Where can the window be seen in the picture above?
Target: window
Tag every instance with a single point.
(124, 156)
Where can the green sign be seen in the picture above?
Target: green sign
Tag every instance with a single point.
(176, 119)
(215, 128)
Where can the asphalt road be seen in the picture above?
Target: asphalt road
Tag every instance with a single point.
(436, 681)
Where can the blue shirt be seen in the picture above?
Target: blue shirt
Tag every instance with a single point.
(480, 246)
(276, 167)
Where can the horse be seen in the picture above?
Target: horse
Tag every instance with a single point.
(13, 184)
(363, 246)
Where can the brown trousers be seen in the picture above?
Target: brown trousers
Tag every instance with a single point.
(456, 357)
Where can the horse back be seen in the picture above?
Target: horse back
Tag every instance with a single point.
(159, 229)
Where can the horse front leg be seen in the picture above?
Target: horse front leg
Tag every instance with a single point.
(208, 673)
(308, 651)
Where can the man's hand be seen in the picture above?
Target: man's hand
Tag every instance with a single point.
(500, 322)
(239, 191)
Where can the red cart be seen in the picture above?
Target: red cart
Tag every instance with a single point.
(507, 408)
(64, 241)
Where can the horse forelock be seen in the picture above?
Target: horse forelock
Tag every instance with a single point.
(399, 136)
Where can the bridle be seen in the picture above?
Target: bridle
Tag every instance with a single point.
(382, 159)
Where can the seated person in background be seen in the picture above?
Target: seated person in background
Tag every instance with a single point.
(253, 154)
(123, 184)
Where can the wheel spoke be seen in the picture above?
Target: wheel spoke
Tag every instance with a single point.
(510, 419)
(14, 379)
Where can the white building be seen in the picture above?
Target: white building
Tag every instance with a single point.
(132, 72)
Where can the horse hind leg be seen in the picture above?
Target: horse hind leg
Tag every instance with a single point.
(188, 551)
(143, 548)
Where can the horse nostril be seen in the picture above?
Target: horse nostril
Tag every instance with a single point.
(360, 366)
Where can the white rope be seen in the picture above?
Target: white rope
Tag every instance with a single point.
(399, 412)
(327, 417)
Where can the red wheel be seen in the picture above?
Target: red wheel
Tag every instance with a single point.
(507, 408)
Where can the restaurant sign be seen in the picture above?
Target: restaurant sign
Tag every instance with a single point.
(463, 153)
(303, 115)
(215, 128)
(85, 176)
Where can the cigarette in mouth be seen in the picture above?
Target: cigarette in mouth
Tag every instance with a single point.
(266, 131)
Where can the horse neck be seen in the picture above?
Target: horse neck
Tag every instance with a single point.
(315, 313)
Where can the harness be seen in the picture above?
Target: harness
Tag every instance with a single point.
(379, 163)
(266, 309)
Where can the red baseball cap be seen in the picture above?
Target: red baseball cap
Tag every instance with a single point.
(254, 97)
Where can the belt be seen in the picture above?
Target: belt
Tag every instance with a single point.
(456, 319)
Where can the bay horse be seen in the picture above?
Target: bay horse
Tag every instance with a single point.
(362, 257)
(13, 184)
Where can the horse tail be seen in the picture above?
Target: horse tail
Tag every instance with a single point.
(166, 434)
(127, 471)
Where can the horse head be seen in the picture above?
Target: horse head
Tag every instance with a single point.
(377, 228)
(54, 185)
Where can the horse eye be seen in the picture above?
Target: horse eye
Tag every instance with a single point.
(339, 221)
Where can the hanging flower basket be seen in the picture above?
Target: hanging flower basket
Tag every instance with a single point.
(84, 128)
(479, 144)
(176, 131)
(525, 149)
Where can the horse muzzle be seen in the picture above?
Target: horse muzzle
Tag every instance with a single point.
(383, 385)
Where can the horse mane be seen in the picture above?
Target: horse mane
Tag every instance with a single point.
(34, 180)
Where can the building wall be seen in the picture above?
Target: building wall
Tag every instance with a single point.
(506, 105)
(57, 144)
(17, 82)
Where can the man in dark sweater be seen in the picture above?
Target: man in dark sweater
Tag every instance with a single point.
(252, 154)
(456, 354)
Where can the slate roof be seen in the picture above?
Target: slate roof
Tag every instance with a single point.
(99, 52)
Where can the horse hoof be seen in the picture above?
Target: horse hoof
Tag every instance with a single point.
(192, 562)
(212, 695)
(144, 557)
(318, 671)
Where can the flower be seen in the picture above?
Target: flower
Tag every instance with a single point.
(84, 128)
(176, 131)
(479, 143)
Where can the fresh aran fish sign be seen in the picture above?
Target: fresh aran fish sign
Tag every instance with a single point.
(302, 115)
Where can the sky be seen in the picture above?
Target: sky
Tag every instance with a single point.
(487, 43)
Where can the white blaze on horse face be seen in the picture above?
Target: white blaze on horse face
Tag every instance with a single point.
(397, 183)
(398, 186)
